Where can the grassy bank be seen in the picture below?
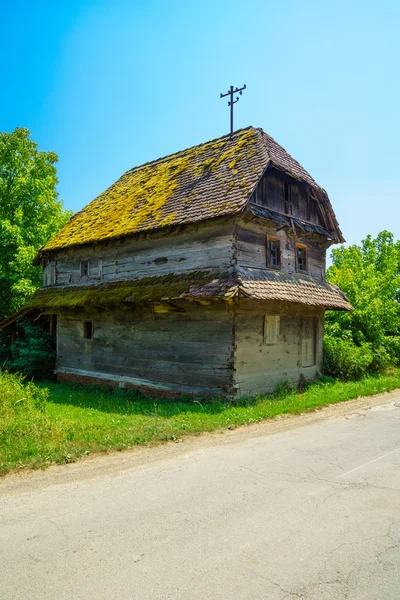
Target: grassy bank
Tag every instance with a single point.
(51, 423)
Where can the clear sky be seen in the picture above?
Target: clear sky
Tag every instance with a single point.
(112, 84)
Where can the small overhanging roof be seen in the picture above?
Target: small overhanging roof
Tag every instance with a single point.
(197, 284)
(203, 182)
(26, 311)
(255, 283)
(268, 284)
(283, 221)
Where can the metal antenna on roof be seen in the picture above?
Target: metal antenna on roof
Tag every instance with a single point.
(231, 102)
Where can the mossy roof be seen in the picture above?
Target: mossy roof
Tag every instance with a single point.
(202, 182)
(196, 284)
(261, 284)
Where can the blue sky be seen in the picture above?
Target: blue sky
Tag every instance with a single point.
(109, 85)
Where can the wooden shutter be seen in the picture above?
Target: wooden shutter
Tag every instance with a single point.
(271, 329)
(308, 339)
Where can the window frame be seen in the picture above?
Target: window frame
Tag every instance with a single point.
(302, 247)
(87, 263)
(271, 330)
(277, 240)
(85, 324)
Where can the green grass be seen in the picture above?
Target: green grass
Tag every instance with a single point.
(57, 423)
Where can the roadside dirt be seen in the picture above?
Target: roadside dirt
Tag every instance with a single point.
(115, 463)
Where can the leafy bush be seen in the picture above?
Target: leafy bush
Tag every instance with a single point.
(392, 346)
(4, 349)
(32, 354)
(370, 276)
(344, 360)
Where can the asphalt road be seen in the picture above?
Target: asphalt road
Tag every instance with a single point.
(311, 511)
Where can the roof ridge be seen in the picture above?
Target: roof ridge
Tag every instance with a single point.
(184, 150)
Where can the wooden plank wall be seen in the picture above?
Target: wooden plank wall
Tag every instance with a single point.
(259, 368)
(208, 245)
(180, 347)
(251, 247)
(271, 194)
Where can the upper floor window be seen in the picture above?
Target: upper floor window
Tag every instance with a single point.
(288, 208)
(301, 258)
(273, 252)
(84, 268)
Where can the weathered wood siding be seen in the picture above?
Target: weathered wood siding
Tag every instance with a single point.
(49, 274)
(185, 347)
(208, 245)
(285, 195)
(251, 249)
(214, 349)
(259, 368)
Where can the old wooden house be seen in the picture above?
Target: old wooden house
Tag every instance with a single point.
(201, 272)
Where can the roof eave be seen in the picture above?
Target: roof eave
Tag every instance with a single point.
(22, 312)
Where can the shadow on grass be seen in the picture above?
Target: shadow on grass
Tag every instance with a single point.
(133, 402)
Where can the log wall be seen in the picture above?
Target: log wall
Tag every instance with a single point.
(259, 367)
(208, 245)
(251, 248)
(182, 347)
(189, 348)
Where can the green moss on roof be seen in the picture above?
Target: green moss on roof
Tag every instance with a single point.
(170, 190)
(262, 284)
(111, 294)
(206, 181)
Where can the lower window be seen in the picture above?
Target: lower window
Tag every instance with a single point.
(308, 332)
(88, 330)
(272, 325)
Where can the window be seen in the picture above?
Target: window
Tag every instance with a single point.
(308, 346)
(84, 268)
(287, 198)
(273, 252)
(87, 330)
(301, 258)
(286, 186)
(271, 329)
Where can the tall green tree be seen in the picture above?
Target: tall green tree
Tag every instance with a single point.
(30, 214)
(370, 276)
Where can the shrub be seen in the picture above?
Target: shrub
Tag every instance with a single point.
(392, 346)
(32, 354)
(16, 396)
(370, 276)
(344, 360)
(381, 358)
(4, 349)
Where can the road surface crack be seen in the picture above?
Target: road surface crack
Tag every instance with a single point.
(275, 584)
